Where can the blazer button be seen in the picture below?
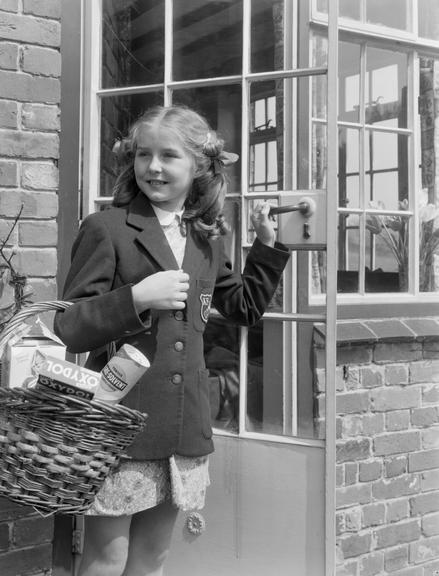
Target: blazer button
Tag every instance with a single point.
(177, 379)
(178, 346)
(179, 315)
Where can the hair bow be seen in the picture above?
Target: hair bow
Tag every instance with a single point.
(223, 159)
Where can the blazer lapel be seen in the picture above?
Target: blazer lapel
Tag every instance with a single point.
(151, 236)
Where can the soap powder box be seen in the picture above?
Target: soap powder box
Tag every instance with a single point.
(64, 377)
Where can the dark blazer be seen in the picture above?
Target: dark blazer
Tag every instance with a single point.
(117, 248)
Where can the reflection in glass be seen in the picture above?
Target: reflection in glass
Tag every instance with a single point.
(386, 88)
(207, 39)
(349, 82)
(221, 105)
(391, 13)
(266, 136)
(132, 43)
(221, 352)
(428, 196)
(428, 19)
(386, 168)
(117, 116)
(320, 60)
(267, 31)
(319, 156)
(350, 9)
(318, 272)
(348, 252)
(349, 168)
(387, 244)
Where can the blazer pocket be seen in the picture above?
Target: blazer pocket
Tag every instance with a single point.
(202, 303)
(204, 402)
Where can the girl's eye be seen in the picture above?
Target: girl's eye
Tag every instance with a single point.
(142, 153)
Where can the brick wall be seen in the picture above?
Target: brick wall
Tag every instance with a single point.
(30, 68)
(387, 446)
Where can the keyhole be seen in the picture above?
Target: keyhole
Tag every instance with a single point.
(306, 232)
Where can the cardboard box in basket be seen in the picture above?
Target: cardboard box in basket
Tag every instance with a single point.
(17, 361)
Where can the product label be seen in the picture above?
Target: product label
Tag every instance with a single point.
(110, 376)
(63, 388)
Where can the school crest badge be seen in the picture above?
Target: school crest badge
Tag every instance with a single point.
(206, 301)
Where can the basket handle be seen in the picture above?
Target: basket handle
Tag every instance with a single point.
(27, 312)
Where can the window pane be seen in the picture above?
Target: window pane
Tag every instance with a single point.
(386, 88)
(348, 252)
(428, 196)
(132, 42)
(117, 115)
(428, 18)
(387, 243)
(349, 82)
(349, 9)
(318, 176)
(349, 168)
(266, 138)
(267, 30)
(386, 164)
(221, 352)
(207, 39)
(221, 105)
(392, 13)
(319, 59)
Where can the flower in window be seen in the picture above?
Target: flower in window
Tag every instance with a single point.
(393, 230)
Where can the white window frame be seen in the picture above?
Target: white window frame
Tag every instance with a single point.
(409, 43)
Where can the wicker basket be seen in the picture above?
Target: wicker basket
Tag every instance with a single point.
(56, 450)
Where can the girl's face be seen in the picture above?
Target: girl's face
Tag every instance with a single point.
(164, 170)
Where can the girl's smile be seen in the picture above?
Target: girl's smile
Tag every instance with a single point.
(164, 170)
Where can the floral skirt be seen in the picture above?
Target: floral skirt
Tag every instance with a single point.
(139, 485)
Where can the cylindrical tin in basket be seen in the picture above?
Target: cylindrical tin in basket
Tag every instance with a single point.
(120, 374)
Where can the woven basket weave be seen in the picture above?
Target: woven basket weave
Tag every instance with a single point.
(56, 450)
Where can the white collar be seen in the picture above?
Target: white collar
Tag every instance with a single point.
(165, 217)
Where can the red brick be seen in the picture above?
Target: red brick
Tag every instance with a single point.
(15, 143)
(395, 466)
(10, 510)
(39, 176)
(425, 417)
(43, 289)
(353, 450)
(387, 488)
(424, 550)
(35, 204)
(41, 117)
(396, 443)
(30, 30)
(36, 262)
(47, 8)
(397, 510)
(8, 173)
(28, 88)
(9, 5)
(354, 495)
(33, 531)
(397, 352)
(41, 233)
(8, 114)
(430, 525)
(371, 377)
(370, 470)
(372, 564)
(8, 56)
(395, 534)
(396, 374)
(426, 371)
(395, 398)
(424, 460)
(352, 402)
(4, 537)
(374, 514)
(27, 561)
(43, 61)
(424, 503)
(355, 545)
(396, 558)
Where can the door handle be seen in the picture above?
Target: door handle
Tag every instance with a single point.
(306, 207)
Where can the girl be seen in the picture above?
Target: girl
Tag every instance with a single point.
(146, 272)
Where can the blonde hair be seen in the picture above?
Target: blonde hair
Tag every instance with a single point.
(205, 201)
